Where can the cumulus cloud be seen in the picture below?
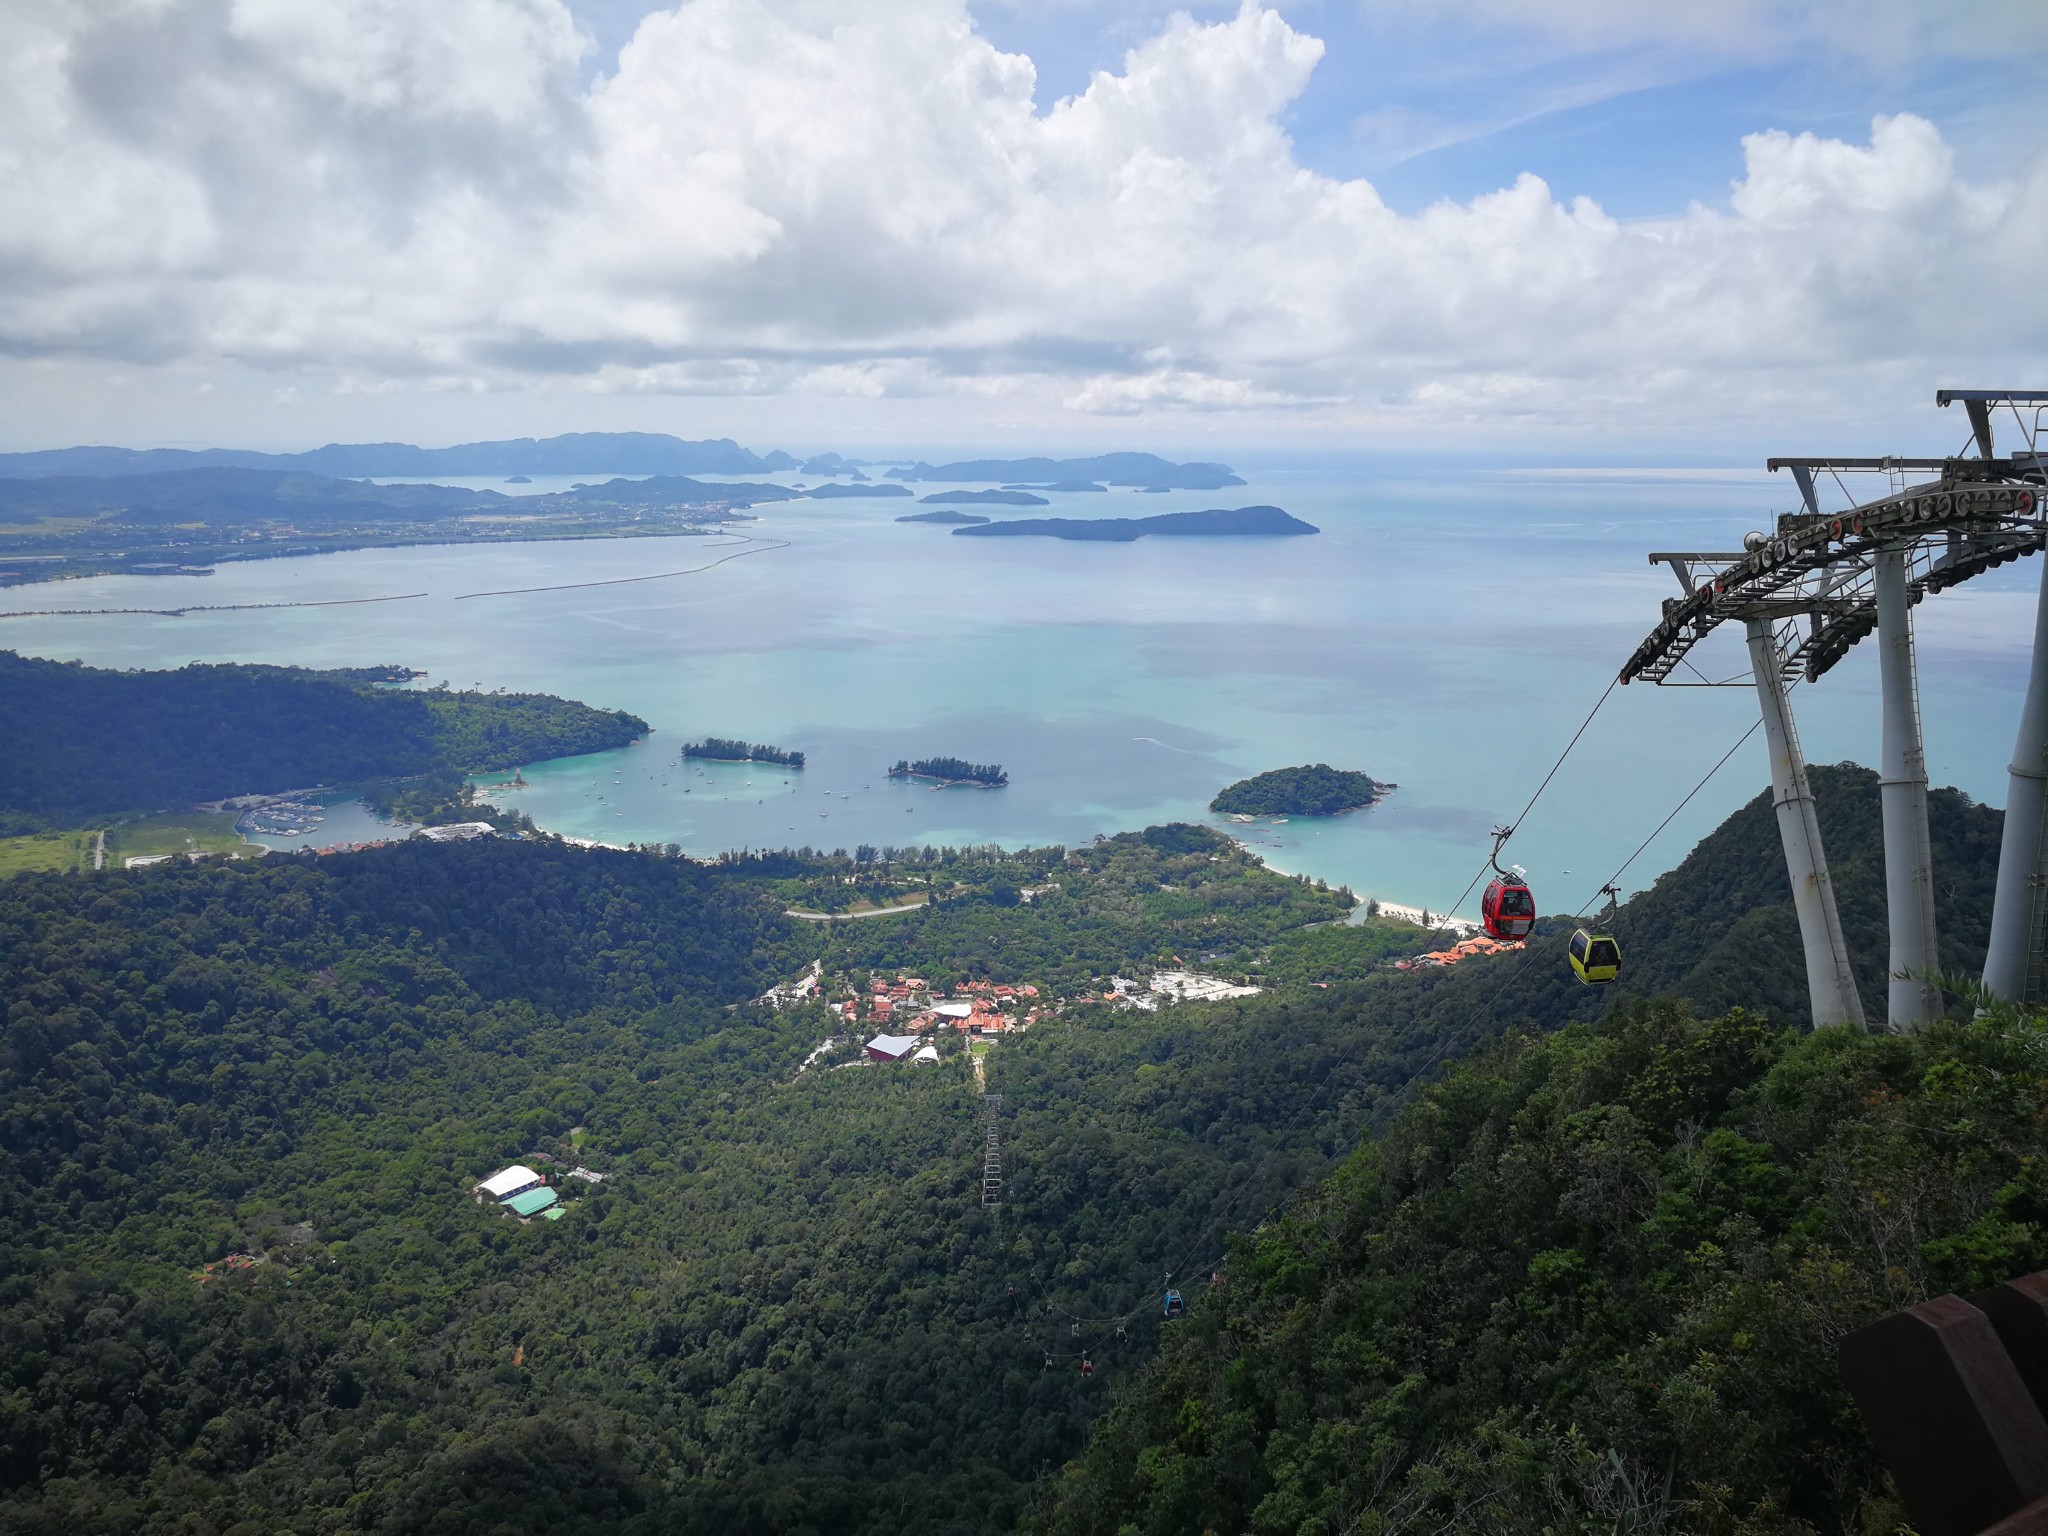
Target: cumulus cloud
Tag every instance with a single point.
(794, 196)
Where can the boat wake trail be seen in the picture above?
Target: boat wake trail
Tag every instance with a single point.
(761, 547)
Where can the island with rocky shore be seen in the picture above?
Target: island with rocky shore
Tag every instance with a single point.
(719, 749)
(951, 770)
(1316, 789)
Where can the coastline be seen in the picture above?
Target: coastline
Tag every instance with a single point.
(1440, 922)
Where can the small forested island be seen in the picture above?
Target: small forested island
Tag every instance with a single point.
(985, 498)
(719, 750)
(1314, 790)
(962, 519)
(952, 770)
(1216, 522)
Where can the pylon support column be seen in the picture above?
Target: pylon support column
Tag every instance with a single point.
(1830, 985)
(2015, 920)
(1913, 999)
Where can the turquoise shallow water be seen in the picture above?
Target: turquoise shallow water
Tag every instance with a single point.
(1448, 633)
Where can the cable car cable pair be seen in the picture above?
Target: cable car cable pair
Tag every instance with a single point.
(1173, 1305)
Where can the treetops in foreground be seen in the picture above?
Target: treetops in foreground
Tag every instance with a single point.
(1604, 1270)
(720, 749)
(951, 770)
(1314, 790)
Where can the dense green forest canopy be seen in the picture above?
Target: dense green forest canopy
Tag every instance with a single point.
(954, 770)
(726, 750)
(785, 1307)
(1314, 790)
(1596, 1273)
(1584, 1263)
(78, 742)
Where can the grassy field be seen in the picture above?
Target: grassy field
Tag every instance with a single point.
(68, 851)
(189, 832)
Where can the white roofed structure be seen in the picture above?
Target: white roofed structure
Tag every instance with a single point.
(891, 1047)
(507, 1182)
(927, 1053)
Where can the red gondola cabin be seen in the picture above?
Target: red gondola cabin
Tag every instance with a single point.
(1507, 909)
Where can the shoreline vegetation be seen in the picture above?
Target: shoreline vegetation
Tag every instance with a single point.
(86, 747)
(717, 749)
(949, 771)
(1315, 789)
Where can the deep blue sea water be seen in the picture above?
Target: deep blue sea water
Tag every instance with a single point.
(1448, 631)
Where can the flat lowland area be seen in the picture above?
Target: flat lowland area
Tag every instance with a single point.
(184, 832)
(67, 851)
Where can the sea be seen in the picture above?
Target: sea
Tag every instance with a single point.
(1451, 629)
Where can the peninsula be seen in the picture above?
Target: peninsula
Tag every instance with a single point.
(81, 747)
(952, 770)
(718, 749)
(1314, 790)
(1217, 522)
(188, 520)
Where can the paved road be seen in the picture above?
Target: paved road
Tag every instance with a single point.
(847, 917)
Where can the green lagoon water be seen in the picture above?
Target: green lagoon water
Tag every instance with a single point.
(1445, 632)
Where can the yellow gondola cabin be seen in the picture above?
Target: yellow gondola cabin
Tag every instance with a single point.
(1596, 958)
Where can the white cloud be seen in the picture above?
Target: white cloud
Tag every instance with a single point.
(866, 200)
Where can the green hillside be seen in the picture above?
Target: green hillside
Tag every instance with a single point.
(1593, 1282)
(78, 742)
(787, 1308)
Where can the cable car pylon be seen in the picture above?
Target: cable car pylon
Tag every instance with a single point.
(1806, 594)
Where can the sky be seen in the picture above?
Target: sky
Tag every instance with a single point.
(1586, 228)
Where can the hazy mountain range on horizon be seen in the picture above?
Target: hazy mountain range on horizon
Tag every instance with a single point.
(572, 453)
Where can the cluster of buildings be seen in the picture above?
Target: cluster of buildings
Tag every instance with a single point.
(909, 1003)
(1167, 987)
(1464, 949)
(525, 1194)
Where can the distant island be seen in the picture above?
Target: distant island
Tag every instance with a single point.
(147, 522)
(987, 498)
(573, 453)
(829, 492)
(963, 518)
(719, 750)
(1070, 486)
(1140, 469)
(952, 770)
(1217, 522)
(1314, 790)
(519, 479)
